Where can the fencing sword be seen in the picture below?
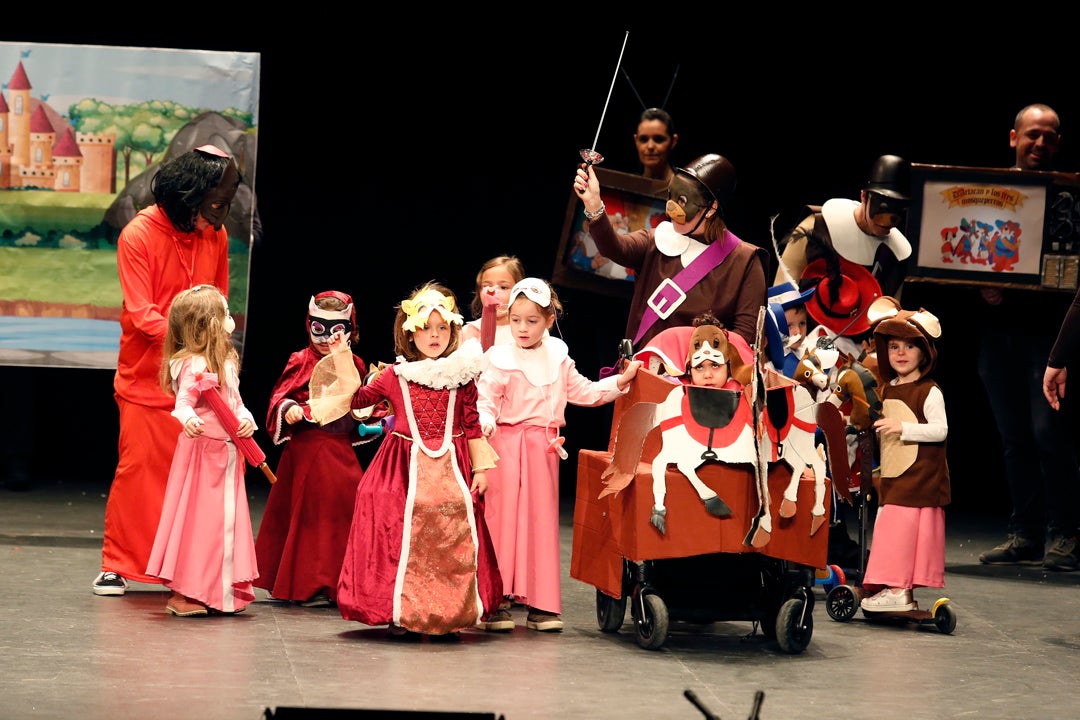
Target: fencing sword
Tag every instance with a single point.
(589, 155)
(828, 342)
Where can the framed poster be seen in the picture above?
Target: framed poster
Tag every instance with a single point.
(990, 226)
(632, 203)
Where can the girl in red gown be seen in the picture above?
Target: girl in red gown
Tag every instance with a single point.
(419, 558)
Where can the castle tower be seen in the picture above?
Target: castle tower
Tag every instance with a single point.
(5, 149)
(68, 163)
(99, 162)
(39, 171)
(19, 116)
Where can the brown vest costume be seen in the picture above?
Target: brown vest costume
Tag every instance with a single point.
(912, 474)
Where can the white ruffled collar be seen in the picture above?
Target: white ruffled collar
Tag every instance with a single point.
(457, 369)
(540, 365)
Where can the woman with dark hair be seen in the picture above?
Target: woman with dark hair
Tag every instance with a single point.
(655, 138)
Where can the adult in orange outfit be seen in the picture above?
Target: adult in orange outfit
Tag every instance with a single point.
(176, 243)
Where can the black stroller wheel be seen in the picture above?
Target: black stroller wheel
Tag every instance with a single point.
(652, 626)
(794, 626)
(610, 612)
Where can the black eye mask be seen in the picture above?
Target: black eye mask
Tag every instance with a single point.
(321, 329)
(886, 211)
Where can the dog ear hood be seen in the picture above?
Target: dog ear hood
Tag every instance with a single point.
(919, 326)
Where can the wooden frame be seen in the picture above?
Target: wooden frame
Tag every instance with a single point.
(633, 202)
(998, 227)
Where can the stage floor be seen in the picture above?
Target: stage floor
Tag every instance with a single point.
(66, 653)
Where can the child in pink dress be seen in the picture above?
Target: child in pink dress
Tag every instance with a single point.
(523, 396)
(909, 532)
(204, 550)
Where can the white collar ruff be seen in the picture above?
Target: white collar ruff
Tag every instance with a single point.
(540, 365)
(673, 244)
(454, 370)
(849, 239)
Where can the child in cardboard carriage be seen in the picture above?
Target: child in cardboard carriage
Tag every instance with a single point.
(709, 522)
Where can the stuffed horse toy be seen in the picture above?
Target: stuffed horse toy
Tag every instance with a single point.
(833, 376)
(851, 386)
(812, 372)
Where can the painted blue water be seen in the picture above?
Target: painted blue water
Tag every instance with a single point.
(59, 334)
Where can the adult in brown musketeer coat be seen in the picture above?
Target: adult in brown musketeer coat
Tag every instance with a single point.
(689, 264)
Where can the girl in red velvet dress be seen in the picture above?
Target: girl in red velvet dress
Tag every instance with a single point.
(305, 526)
(419, 558)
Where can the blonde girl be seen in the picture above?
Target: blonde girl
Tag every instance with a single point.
(204, 550)
(493, 283)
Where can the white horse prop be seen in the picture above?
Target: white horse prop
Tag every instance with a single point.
(697, 424)
(789, 422)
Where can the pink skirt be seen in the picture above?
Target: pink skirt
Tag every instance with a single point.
(204, 548)
(523, 515)
(908, 549)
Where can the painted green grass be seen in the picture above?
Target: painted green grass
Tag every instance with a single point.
(46, 211)
(78, 276)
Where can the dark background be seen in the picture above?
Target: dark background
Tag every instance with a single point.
(392, 153)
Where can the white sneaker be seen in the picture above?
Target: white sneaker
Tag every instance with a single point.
(889, 600)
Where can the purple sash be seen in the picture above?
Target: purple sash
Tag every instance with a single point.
(670, 293)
